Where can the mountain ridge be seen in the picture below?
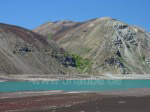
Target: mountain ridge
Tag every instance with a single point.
(95, 47)
(112, 46)
(25, 52)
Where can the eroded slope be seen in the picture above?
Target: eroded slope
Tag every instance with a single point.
(111, 46)
(25, 52)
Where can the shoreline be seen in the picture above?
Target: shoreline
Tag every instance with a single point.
(133, 100)
(127, 92)
(31, 78)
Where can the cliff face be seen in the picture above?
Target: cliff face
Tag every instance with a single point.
(110, 46)
(25, 52)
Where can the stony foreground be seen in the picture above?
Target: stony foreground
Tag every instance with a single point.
(78, 102)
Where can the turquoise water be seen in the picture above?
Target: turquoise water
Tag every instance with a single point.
(74, 85)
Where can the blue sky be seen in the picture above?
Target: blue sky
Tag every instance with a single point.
(32, 13)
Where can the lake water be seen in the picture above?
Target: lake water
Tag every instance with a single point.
(74, 85)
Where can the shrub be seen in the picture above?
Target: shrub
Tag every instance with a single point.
(80, 62)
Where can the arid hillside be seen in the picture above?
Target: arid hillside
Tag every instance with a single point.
(107, 45)
(25, 52)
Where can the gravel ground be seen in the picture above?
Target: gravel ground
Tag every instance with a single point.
(109, 101)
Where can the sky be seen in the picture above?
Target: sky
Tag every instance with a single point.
(32, 13)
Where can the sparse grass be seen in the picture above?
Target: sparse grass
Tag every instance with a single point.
(142, 58)
(87, 50)
(49, 36)
(81, 63)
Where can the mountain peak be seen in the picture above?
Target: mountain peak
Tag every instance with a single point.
(111, 45)
(64, 21)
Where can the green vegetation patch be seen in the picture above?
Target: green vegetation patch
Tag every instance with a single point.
(81, 63)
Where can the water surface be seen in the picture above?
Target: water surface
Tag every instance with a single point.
(74, 85)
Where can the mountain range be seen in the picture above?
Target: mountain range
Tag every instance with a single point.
(95, 47)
